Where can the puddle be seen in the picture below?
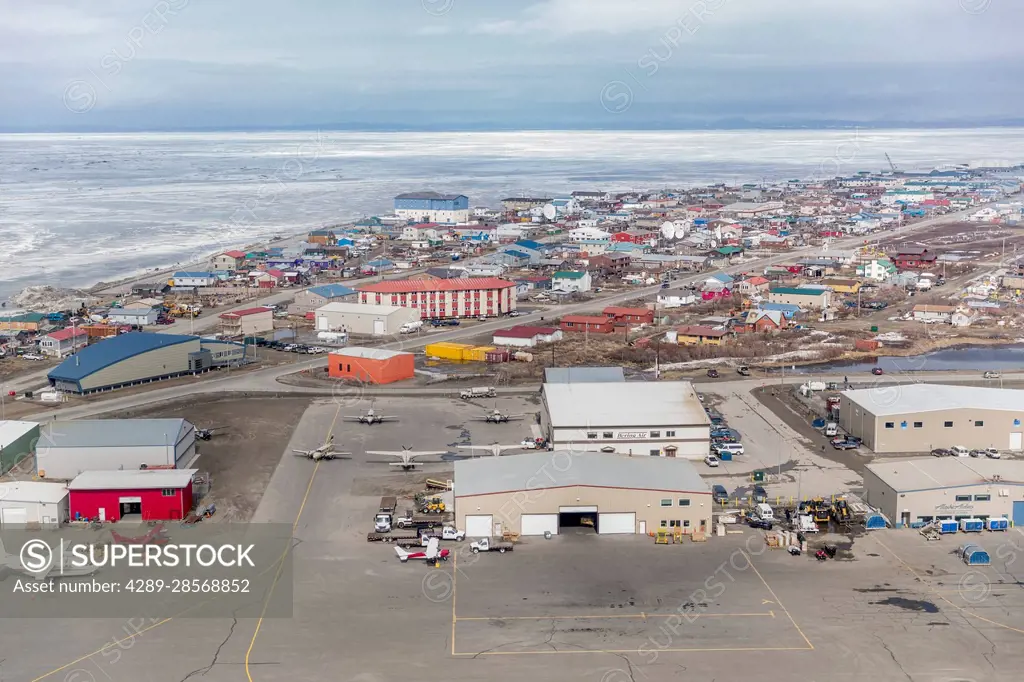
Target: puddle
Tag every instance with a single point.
(909, 604)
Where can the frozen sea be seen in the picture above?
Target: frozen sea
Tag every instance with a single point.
(79, 208)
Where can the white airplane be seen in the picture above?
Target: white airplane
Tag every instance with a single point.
(497, 417)
(15, 564)
(431, 552)
(371, 417)
(493, 448)
(325, 451)
(406, 456)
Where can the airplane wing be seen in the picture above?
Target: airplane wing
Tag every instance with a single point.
(515, 416)
(302, 453)
(407, 453)
(387, 416)
(475, 447)
(351, 418)
(482, 418)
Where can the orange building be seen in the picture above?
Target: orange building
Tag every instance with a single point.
(370, 365)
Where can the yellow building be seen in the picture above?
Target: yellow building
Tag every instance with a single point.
(692, 335)
(842, 286)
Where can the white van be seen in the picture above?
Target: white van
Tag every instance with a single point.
(831, 429)
(731, 448)
(959, 451)
(763, 512)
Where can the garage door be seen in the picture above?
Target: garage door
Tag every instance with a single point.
(15, 516)
(616, 524)
(536, 524)
(1016, 441)
(478, 526)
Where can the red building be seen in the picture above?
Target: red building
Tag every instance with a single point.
(152, 494)
(629, 315)
(445, 298)
(587, 323)
(914, 258)
(633, 236)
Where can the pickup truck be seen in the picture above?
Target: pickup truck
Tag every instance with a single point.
(846, 443)
(408, 520)
(743, 370)
(478, 392)
(487, 545)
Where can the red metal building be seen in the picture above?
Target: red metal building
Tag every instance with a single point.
(445, 298)
(153, 494)
(629, 315)
(588, 323)
(914, 258)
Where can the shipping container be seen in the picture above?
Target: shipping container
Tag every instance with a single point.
(446, 350)
(498, 356)
(478, 353)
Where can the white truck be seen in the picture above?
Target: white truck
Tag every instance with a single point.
(831, 429)
(446, 533)
(410, 327)
(488, 545)
(478, 392)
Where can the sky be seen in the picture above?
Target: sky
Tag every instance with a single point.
(509, 64)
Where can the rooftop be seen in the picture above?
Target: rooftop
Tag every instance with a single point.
(524, 332)
(34, 491)
(12, 430)
(947, 472)
(368, 353)
(663, 403)
(589, 319)
(245, 312)
(908, 398)
(113, 433)
(65, 334)
(492, 475)
(583, 375)
(794, 291)
(929, 308)
(130, 479)
(111, 350)
(459, 284)
(700, 330)
(569, 274)
(360, 308)
(429, 195)
(332, 290)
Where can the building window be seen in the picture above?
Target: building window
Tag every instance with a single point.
(655, 434)
(670, 434)
(168, 492)
(666, 502)
(947, 425)
(684, 502)
(655, 453)
(607, 434)
(686, 523)
(982, 498)
(673, 523)
(889, 425)
(979, 423)
(918, 425)
(592, 434)
(664, 523)
(925, 519)
(963, 498)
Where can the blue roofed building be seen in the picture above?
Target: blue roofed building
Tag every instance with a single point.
(140, 357)
(184, 278)
(432, 207)
(788, 310)
(309, 300)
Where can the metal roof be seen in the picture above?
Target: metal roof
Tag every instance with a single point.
(929, 473)
(662, 403)
(397, 286)
(113, 433)
(562, 468)
(360, 308)
(793, 291)
(11, 430)
(33, 491)
(332, 290)
(112, 350)
(910, 398)
(368, 353)
(146, 479)
(568, 375)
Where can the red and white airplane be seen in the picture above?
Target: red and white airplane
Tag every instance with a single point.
(431, 552)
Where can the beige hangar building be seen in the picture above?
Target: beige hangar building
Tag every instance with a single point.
(609, 494)
(921, 417)
(363, 318)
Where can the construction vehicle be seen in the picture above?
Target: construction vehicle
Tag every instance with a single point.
(840, 510)
(180, 311)
(433, 505)
(817, 508)
(434, 484)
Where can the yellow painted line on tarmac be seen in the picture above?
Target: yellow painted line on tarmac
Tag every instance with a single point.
(644, 616)
(455, 577)
(777, 600)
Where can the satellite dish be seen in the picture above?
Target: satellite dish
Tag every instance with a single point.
(681, 231)
(668, 229)
(550, 212)
(714, 244)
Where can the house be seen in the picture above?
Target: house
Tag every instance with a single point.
(523, 336)
(314, 297)
(228, 261)
(568, 280)
(432, 207)
(587, 323)
(753, 286)
(768, 321)
(788, 310)
(963, 317)
(675, 300)
(696, 334)
(64, 342)
(629, 315)
(193, 279)
(138, 315)
(914, 258)
(609, 264)
(247, 322)
(924, 312)
(26, 322)
(842, 286)
(265, 279)
(325, 237)
(878, 269)
(805, 298)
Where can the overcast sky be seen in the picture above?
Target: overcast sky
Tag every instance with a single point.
(235, 64)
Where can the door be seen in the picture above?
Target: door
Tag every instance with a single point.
(1016, 441)
(537, 524)
(378, 328)
(1018, 513)
(14, 516)
(323, 324)
(616, 524)
(478, 526)
(643, 528)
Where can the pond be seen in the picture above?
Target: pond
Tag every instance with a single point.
(979, 358)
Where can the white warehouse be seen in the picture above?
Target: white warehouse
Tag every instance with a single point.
(67, 448)
(661, 419)
(33, 504)
(363, 318)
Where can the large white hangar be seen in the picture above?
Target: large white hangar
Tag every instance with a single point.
(662, 418)
(551, 491)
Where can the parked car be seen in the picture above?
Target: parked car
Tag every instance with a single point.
(877, 371)
(514, 313)
(846, 444)
(760, 494)
(977, 453)
(731, 448)
(959, 451)
(711, 461)
(764, 524)
(719, 494)
(941, 452)
(712, 373)
(991, 375)
(992, 453)
(33, 356)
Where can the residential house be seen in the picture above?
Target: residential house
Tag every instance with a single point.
(64, 342)
(587, 323)
(229, 261)
(568, 280)
(675, 300)
(265, 279)
(609, 264)
(696, 334)
(877, 269)
(27, 322)
(325, 237)
(309, 300)
(963, 317)
(913, 258)
(842, 286)
(767, 321)
(805, 298)
(138, 315)
(789, 311)
(752, 286)
(629, 315)
(924, 312)
(193, 279)
(247, 322)
(523, 336)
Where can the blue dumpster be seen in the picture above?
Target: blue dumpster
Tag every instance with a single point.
(972, 525)
(974, 555)
(948, 526)
(998, 523)
(875, 521)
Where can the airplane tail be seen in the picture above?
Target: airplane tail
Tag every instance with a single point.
(402, 554)
(433, 548)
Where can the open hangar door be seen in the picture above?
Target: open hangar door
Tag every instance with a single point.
(584, 516)
(616, 524)
(538, 524)
(478, 526)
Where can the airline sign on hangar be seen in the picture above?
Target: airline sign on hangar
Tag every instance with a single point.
(632, 435)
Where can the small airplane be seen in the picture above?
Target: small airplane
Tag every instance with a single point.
(497, 417)
(325, 451)
(371, 417)
(493, 448)
(52, 570)
(207, 434)
(406, 455)
(156, 536)
(431, 552)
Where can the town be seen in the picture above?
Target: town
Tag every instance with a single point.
(812, 382)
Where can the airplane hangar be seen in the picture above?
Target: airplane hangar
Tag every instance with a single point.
(541, 492)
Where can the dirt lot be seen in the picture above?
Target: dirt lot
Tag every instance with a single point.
(243, 454)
